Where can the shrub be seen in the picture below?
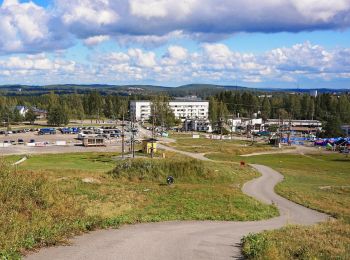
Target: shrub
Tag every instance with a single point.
(159, 169)
(254, 245)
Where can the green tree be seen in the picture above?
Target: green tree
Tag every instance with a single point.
(30, 116)
(162, 113)
(332, 127)
(57, 116)
(266, 108)
(213, 110)
(343, 109)
(16, 116)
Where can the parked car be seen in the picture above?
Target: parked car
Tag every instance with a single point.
(13, 142)
(47, 131)
(32, 141)
(20, 141)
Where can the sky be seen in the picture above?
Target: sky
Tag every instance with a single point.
(266, 43)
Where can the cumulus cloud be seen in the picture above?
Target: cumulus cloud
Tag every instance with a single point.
(28, 27)
(210, 63)
(202, 19)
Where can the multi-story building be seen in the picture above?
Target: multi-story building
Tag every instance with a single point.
(192, 109)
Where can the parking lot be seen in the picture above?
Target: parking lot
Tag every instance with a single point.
(33, 143)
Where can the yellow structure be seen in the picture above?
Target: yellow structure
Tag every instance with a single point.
(148, 145)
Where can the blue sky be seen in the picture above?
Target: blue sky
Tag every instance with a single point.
(287, 43)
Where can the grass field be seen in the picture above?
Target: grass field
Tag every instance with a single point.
(218, 148)
(61, 195)
(320, 182)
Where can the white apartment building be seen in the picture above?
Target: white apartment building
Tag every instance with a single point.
(141, 110)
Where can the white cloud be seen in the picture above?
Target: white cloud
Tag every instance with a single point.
(95, 40)
(210, 63)
(27, 27)
(87, 12)
(162, 8)
(141, 58)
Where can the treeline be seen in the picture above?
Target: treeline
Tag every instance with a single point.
(62, 108)
(333, 110)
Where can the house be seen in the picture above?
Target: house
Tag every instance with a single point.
(22, 110)
(198, 125)
(296, 127)
(40, 113)
(242, 124)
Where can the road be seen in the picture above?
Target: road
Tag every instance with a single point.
(186, 239)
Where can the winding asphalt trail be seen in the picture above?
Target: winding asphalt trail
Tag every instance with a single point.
(186, 239)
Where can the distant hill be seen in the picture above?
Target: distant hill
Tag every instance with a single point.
(201, 90)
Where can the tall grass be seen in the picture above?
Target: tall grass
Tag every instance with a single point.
(329, 240)
(33, 212)
(159, 169)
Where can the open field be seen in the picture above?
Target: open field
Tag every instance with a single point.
(320, 182)
(77, 192)
(219, 147)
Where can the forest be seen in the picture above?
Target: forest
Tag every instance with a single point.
(332, 109)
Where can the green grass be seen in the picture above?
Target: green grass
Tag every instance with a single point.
(34, 212)
(76, 161)
(61, 195)
(320, 182)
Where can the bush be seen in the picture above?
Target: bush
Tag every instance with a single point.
(159, 169)
(254, 245)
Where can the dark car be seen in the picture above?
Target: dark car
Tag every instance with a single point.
(20, 141)
(32, 141)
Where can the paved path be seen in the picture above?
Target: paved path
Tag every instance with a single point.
(198, 156)
(186, 239)
(290, 150)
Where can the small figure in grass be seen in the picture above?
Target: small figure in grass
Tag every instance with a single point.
(242, 163)
(170, 180)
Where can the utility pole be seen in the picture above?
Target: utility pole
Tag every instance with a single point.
(232, 126)
(289, 131)
(221, 122)
(133, 132)
(153, 135)
(123, 136)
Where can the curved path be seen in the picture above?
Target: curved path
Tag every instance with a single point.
(187, 239)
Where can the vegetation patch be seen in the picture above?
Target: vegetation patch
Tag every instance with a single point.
(227, 148)
(158, 170)
(324, 241)
(34, 212)
(305, 180)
